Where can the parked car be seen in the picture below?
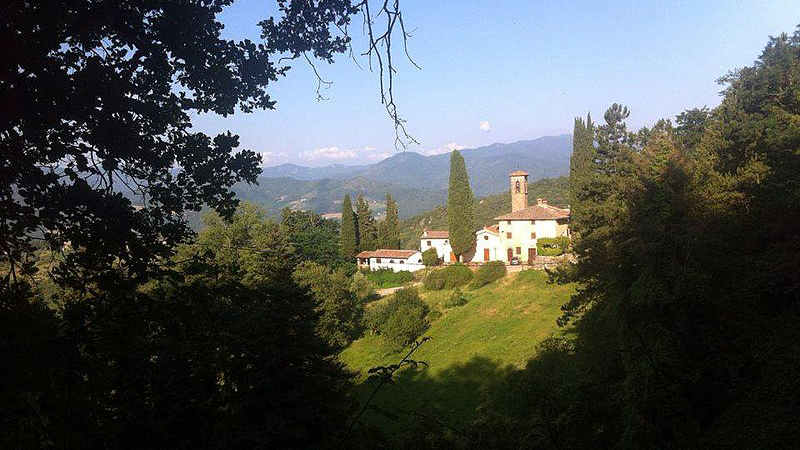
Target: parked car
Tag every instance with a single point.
(515, 261)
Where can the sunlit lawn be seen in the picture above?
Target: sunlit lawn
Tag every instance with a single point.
(471, 347)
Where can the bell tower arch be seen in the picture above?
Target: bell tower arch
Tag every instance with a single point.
(519, 190)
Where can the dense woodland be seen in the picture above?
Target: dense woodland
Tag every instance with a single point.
(121, 328)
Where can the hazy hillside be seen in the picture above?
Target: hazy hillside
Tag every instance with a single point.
(555, 190)
(488, 166)
(310, 173)
(326, 195)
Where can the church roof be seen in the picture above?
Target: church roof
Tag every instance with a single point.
(518, 173)
(435, 234)
(536, 212)
(364, 254)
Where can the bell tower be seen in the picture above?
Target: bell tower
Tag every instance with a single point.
(519, 190)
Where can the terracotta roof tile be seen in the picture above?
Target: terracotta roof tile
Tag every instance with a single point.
(536, 212)
(435, 234)
(364, 254)
(494, 229)
(518, 173)
(384, 253)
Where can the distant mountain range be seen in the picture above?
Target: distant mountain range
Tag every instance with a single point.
(488, 166)
(418, 182)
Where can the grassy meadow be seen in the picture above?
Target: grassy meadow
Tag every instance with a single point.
(472, 347)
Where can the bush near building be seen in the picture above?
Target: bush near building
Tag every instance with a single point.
(448, 278)
(386, 278)
(552, 246)
(430, 258)
(489, 272)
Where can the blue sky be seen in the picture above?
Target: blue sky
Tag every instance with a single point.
(503, 71)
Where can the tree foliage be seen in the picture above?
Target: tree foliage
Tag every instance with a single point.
(460, 214)
(367, 230)
(389, 228)
(340, 310)
(349, 230)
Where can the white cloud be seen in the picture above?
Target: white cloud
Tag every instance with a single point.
(271, 157)
(330, 153)
(485, 126)
(446, 148)
(369, 148)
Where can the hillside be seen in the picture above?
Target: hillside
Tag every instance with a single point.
(555, 190)
(472, 347)
(488, 166)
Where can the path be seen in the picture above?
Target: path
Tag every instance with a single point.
(386, 291)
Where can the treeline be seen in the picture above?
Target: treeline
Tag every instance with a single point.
(360, 231)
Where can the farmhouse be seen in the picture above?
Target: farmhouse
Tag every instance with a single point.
(440, 240)
(396, 260)
(514, 236)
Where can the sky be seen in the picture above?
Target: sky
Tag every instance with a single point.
(503, 71)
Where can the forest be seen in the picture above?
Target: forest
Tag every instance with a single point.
(120, 327)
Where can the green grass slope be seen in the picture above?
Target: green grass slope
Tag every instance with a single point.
(472, 348)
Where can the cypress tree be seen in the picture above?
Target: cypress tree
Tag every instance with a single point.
(390, 229)
(349, 234)
(460, 202)
(581, 169)
(367, 239)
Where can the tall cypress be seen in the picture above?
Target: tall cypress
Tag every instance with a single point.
(581, 169)
(389, 232)
(367, 239)
(348, 232)
(460, 202)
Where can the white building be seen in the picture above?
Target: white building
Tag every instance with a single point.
(396, 260)
(487, 243)
(440, 240)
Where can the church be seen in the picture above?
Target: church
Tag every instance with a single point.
(515, 234)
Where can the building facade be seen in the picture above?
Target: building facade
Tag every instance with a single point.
(396, 260)
(440, 240)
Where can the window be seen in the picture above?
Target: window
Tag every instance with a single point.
(401, 261)
(508, 235)
(519, 251)
(391, 261)
(533, 235)
(378, 260)
(445, 242)
(508, 222)
(429, 243)
(533, 222)
(485, 238)
(517, 187)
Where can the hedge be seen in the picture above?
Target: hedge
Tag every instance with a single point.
(552, 246)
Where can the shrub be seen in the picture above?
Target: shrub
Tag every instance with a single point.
(386, 278)
(434, 281)
(430, 258)
(375, 316)
(434, 315)
(456, 275)
(552, 246)
(456, 298)
(406, 318)
(362, 287)
(448, 278)
(489, 272)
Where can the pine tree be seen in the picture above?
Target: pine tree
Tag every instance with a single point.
(460, 202)
(367, 236)
(349, 232)
(389, 229)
